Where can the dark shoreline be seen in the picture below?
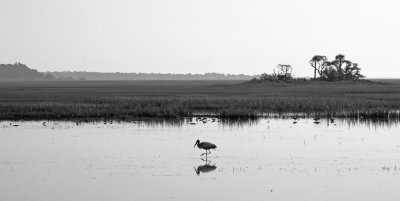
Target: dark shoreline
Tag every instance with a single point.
(193, 121)
(50, 112)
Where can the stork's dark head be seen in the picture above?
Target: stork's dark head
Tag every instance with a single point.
(197, 142)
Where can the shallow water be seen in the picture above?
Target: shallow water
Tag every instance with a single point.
(267, 159)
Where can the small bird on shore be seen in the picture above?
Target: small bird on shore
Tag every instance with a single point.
(206, 146)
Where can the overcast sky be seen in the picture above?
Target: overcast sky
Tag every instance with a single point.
(198, 36)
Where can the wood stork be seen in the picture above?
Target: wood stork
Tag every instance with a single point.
(206, 146)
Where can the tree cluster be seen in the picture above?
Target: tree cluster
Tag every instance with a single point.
(336, 70)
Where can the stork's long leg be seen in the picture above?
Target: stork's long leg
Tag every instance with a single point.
(207, 152)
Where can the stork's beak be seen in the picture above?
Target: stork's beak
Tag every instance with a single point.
(195, 144)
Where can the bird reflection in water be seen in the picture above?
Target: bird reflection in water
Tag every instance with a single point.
(205, 168)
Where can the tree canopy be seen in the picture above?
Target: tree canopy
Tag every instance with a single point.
(336, 70)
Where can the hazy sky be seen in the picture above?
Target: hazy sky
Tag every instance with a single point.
(197, 36)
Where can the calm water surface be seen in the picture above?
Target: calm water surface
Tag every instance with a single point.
(267, 159)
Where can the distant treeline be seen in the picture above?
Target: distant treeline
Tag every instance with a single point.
(18, 71)
(82, 75)
(21, 72)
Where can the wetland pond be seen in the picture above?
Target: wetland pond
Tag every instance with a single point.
(265, 159)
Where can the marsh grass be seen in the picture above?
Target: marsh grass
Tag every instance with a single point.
(113, 101)
(126, 108)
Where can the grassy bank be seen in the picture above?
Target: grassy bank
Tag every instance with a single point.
(130, 99)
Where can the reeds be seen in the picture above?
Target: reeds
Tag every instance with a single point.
(229, 107)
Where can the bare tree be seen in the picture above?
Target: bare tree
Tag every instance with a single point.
(284, 71)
